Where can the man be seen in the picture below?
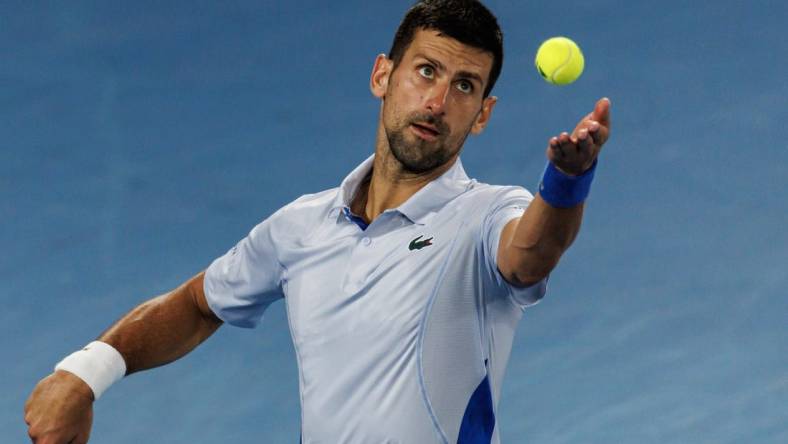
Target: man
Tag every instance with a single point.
(403, 286)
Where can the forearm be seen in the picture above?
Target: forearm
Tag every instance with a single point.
(164, 328)
(532, 246)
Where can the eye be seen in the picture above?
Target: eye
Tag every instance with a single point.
(465, 86)
(427, 71)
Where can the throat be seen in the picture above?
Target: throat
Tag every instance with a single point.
(382, 195)
(358, 205)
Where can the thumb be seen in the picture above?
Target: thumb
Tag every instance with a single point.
(602, 112)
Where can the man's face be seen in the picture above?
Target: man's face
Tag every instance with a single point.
(433, 99)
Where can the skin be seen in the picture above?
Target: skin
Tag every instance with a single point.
(439, 83)
(429, 86)
(161, 330)
(430, 102)
(531, 246)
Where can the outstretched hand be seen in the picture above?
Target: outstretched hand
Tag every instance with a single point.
(575, 153)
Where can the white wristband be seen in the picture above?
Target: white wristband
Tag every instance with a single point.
(98, 364)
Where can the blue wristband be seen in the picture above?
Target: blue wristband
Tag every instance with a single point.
(561, 190)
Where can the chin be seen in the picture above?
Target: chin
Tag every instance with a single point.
(416, 155)
(421, 164)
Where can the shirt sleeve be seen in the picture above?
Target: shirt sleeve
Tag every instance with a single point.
(509, 204)
(242, 283)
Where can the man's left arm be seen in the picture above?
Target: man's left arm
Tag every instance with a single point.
(531, 245)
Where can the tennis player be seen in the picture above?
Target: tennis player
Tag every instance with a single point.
(403, 286)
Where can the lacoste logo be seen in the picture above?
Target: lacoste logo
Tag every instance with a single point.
(416, 244)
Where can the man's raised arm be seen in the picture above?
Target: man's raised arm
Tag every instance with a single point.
(159, 331)
(531, 246)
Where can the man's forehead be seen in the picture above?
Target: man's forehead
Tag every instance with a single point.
(450, 52)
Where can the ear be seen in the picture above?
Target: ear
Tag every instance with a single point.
(484, 115)
(379, 80)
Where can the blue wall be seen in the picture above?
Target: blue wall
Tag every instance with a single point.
(141, 140)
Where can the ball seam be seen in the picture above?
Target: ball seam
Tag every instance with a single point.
(566, 62)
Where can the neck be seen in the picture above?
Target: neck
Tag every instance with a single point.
(390, 185)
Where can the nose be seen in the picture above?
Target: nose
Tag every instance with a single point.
(437, 98)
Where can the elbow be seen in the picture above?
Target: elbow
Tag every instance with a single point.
(528, 277)
(528, 268)
(194, 288)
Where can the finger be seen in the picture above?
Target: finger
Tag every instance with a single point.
(568, 146)
(54, 439)
(28, 404)
(593, 128)
(600, 135)
(585, 142)
(586, 124)
(602, 112)
(554, 152)
(80, 439)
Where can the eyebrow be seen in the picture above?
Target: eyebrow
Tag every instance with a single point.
(461, 74)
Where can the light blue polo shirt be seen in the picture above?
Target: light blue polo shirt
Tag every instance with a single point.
(402, 328)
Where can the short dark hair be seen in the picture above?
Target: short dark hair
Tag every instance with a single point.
(467, 21)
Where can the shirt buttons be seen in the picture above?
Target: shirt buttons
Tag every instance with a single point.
(366, 241)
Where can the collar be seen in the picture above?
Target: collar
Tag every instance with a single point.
(420, 207)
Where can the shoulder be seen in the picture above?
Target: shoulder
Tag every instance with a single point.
(486, 198)
(304, 210)
(311, 203)
(299, 216)
(487, 208)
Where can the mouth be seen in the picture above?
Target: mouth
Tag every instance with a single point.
(425, 131)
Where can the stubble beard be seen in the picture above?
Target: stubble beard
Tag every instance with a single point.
(420, 156)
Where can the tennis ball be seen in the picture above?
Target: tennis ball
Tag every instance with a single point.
(559, 60)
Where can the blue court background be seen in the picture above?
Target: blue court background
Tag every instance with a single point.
(142, 139)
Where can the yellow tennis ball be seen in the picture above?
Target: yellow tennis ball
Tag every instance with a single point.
(559, 60)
